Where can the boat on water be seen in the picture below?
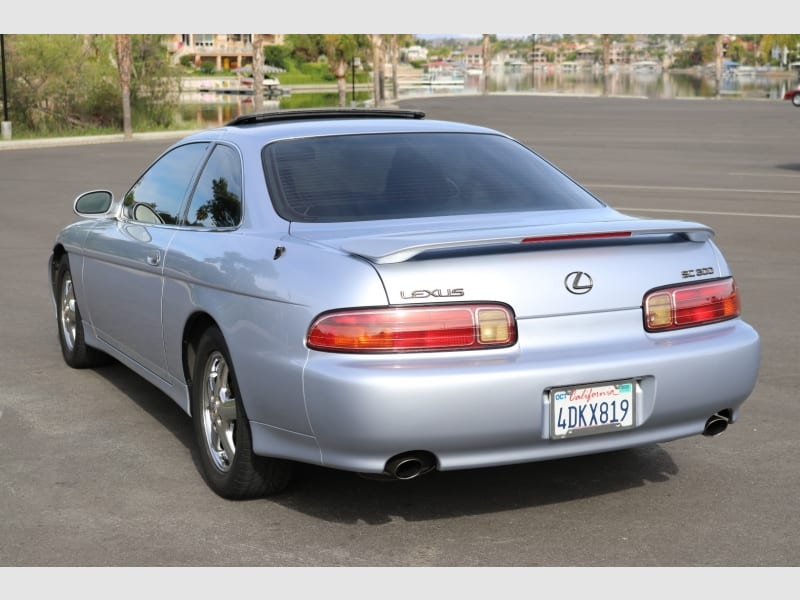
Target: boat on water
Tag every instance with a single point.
(569, 66)
(241, 83)
(745, 72)
(441, 74)
(516, 65)
(645, 66)
(243, 86)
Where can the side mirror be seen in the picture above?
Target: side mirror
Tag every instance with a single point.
(93, 204)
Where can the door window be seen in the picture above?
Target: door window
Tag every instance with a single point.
(158, 195)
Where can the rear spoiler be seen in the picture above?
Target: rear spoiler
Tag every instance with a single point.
(386, 249)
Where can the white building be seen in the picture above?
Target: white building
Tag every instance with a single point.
(413, 53)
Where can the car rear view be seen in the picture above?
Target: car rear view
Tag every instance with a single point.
(373, 291)
(524, 319)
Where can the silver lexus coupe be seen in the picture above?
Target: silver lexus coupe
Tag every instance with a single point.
(377, 292)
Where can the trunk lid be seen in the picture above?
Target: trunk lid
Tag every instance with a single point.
(548, 268)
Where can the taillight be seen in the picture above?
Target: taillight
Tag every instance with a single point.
(414, 329)
(690, 305)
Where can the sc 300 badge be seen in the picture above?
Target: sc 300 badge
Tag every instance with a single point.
(689, 273)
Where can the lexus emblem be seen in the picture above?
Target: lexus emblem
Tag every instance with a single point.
(578, 283)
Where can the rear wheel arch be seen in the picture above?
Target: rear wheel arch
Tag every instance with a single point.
(195, 327)
(221, 428)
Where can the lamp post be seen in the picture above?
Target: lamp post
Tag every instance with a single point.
(353, 64)
(6, 125)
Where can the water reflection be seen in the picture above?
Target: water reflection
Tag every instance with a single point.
(209, 109)
(646, 83)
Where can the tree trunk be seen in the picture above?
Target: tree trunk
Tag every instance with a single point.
(486, 56)
(341, 81)
(718, 49)
(124, 61)
(377, 68)
(395, 59)
(606, 61)
(258, 72)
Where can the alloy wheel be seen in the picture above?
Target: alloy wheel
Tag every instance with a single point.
(68, 312)
(219, 412)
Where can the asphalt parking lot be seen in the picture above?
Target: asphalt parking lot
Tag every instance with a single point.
(98, 467)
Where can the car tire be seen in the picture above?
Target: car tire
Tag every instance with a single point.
(70, 325)
(222, 430)
(796, 99)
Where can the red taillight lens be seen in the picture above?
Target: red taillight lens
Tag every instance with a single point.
(576, 237)
(691, 305)
(414, 329)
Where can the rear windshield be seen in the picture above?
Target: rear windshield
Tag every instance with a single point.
(404, 175)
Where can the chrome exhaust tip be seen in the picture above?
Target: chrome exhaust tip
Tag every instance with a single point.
(410, 465)
(717, 423)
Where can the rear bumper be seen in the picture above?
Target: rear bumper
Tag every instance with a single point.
(490, 408)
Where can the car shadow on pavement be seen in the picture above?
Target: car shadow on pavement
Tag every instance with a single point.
(343, 497)
(153, 401)
(348, 498)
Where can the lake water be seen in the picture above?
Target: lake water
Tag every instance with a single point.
(210, 109)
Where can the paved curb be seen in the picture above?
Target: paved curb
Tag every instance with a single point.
(90, 139)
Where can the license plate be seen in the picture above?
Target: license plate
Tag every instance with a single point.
(595, 408)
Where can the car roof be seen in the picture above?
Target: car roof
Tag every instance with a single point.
(324, 114)
(263, 128)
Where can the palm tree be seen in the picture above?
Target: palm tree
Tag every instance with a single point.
(124, 61)
(606, 61)
(778, 40)
(378, 62)
(258, 72)
(718, 51)
(394, 44)
(394, 54)
(340, 50)
(486, 55)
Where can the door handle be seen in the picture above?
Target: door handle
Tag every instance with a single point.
(154, 258)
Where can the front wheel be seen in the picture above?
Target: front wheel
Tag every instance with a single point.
(222, 431)
(796, 99)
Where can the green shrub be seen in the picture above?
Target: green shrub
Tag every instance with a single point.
(65, 84)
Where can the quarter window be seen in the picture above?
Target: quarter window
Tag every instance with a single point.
(217, 200)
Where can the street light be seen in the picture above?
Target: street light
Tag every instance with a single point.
(6, 125)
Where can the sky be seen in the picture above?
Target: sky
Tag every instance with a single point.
(364, 16)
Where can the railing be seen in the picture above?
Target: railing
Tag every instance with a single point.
(210, 50)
